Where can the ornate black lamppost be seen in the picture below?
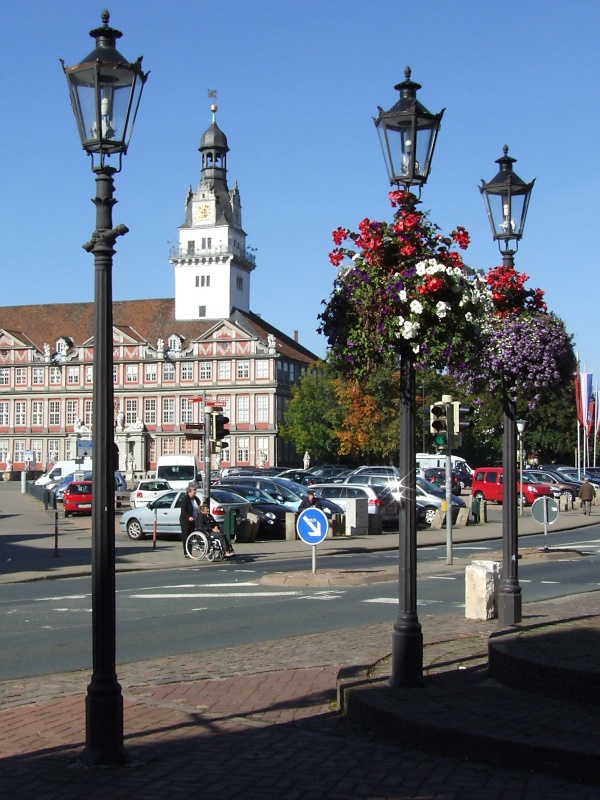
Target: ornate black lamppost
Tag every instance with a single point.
(506, 198)
(407, 133)
(105, 93)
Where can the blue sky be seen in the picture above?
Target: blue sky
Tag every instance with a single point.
(298, 84)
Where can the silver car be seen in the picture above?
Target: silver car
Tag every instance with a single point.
(431, 498)
(138, 522)
(380, 500)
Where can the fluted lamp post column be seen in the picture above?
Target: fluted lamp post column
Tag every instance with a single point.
(506, 198)
(407, 133)
(105, 91)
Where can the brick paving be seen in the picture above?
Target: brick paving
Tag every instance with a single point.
(261, 721)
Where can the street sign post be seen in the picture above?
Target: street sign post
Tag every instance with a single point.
(312, 526)
(545, 511)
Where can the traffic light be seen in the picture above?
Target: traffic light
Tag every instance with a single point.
(462, 413)
(218, 447)
(218, 427)
(438, 417)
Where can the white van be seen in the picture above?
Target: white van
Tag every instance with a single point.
(62, 468)
(428, 461)
(179, 470)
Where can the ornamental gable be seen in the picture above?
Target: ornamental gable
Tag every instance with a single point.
(9, 339)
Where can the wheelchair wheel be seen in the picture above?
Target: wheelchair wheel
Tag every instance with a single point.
(197, 545)
(213, 553)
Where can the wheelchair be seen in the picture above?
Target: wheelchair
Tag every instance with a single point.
(201, 544)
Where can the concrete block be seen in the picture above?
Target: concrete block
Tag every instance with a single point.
(481, 590)
(438, 520)
(462, 520)
(357, 517)
(290, 526)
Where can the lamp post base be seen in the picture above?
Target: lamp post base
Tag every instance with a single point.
(407, 652)
(104, 727)
(509, 608)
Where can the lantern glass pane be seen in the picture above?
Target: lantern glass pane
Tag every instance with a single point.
(105, 99)
(397, 144)
(425, 142)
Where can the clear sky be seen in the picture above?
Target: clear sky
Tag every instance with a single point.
(298, 84)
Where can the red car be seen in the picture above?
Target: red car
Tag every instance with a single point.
(78, 498)
(487, 485)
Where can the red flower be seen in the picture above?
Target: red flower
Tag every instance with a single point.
(336, 258)
(461, 237)
(408, 250)
(339, 234)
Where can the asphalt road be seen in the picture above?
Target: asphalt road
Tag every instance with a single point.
(46, 627)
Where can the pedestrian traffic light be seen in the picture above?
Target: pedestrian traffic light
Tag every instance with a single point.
(462, 412)
(438, 417)
(218, 447)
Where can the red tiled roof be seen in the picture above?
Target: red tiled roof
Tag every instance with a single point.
(149, 320)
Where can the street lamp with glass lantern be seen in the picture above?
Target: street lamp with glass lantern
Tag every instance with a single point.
(105, 92)
(521, 425)
(506, 198)
(407, 133)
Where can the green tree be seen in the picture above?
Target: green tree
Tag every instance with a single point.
(313, 415)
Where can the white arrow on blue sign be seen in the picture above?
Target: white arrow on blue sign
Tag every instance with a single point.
(312, 525)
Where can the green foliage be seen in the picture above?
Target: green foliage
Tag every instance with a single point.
(313, 415)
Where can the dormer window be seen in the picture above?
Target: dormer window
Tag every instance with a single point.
(62, 346)
(174, 342)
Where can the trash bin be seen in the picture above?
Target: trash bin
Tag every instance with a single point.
(476, 510)
(229, 524)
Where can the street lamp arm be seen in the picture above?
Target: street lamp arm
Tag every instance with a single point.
(105, 238)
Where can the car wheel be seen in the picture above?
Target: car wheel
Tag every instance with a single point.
(134, 529)
(479, 496)
(568, 494)
(67, 513)
(430, 514)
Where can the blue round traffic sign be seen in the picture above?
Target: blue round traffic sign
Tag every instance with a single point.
(312, 525)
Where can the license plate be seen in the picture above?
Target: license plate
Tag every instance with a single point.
(85, 505)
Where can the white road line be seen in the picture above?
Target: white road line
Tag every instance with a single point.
(441, 577)
(186, 596)
(382, 600)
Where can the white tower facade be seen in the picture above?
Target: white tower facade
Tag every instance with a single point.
(212, 265)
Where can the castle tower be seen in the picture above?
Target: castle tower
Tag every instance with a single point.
(212, 265)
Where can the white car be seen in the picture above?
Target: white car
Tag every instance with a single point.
(146, 491)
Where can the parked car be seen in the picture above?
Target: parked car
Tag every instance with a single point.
(391, 481)
(559, 485)
(146, 491)
(271, 515)
(487, 485)
(301, 476)
(326, 471)
(438, 477)
(432, 498)
(380, 500)
(281, 490)
(378, 470)
(578, 475)
(59, 489)
(78, 498)
(138, 522)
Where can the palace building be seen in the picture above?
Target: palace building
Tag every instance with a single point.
(204, 344)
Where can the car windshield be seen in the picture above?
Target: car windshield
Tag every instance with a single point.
(430, 488)
(177, 472)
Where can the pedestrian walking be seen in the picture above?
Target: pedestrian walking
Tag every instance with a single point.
(586, 494)
(188, 516)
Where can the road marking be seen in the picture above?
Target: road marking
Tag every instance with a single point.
(65, 597)
(382, 600)
(441, 577)
(75, 610)
(186, 596)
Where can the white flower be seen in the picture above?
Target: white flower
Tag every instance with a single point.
(442, 309)
(421, 267)
(410, 329)
(402, 295)
(416, 307)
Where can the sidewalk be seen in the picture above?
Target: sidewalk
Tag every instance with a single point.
(261, 721)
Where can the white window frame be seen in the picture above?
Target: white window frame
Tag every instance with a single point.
(168, 372)
(242, 408)
(224, 370)
(55, 377)
(20, 413)
(72, 375)
(131, 373)
(54, 412)
(20, 376)
(150, 374)
(187, 371)
(262, 368)
(262, 408)
(243, 369)
(131, 410)
(72, 411)
(150, 410)
(37, 412)
(37, 376)
(243, 449)
(4, 413)
(168, 411)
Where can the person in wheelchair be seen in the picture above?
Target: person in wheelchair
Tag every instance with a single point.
(206, 523)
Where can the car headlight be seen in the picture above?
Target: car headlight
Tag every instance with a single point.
(270, 515)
